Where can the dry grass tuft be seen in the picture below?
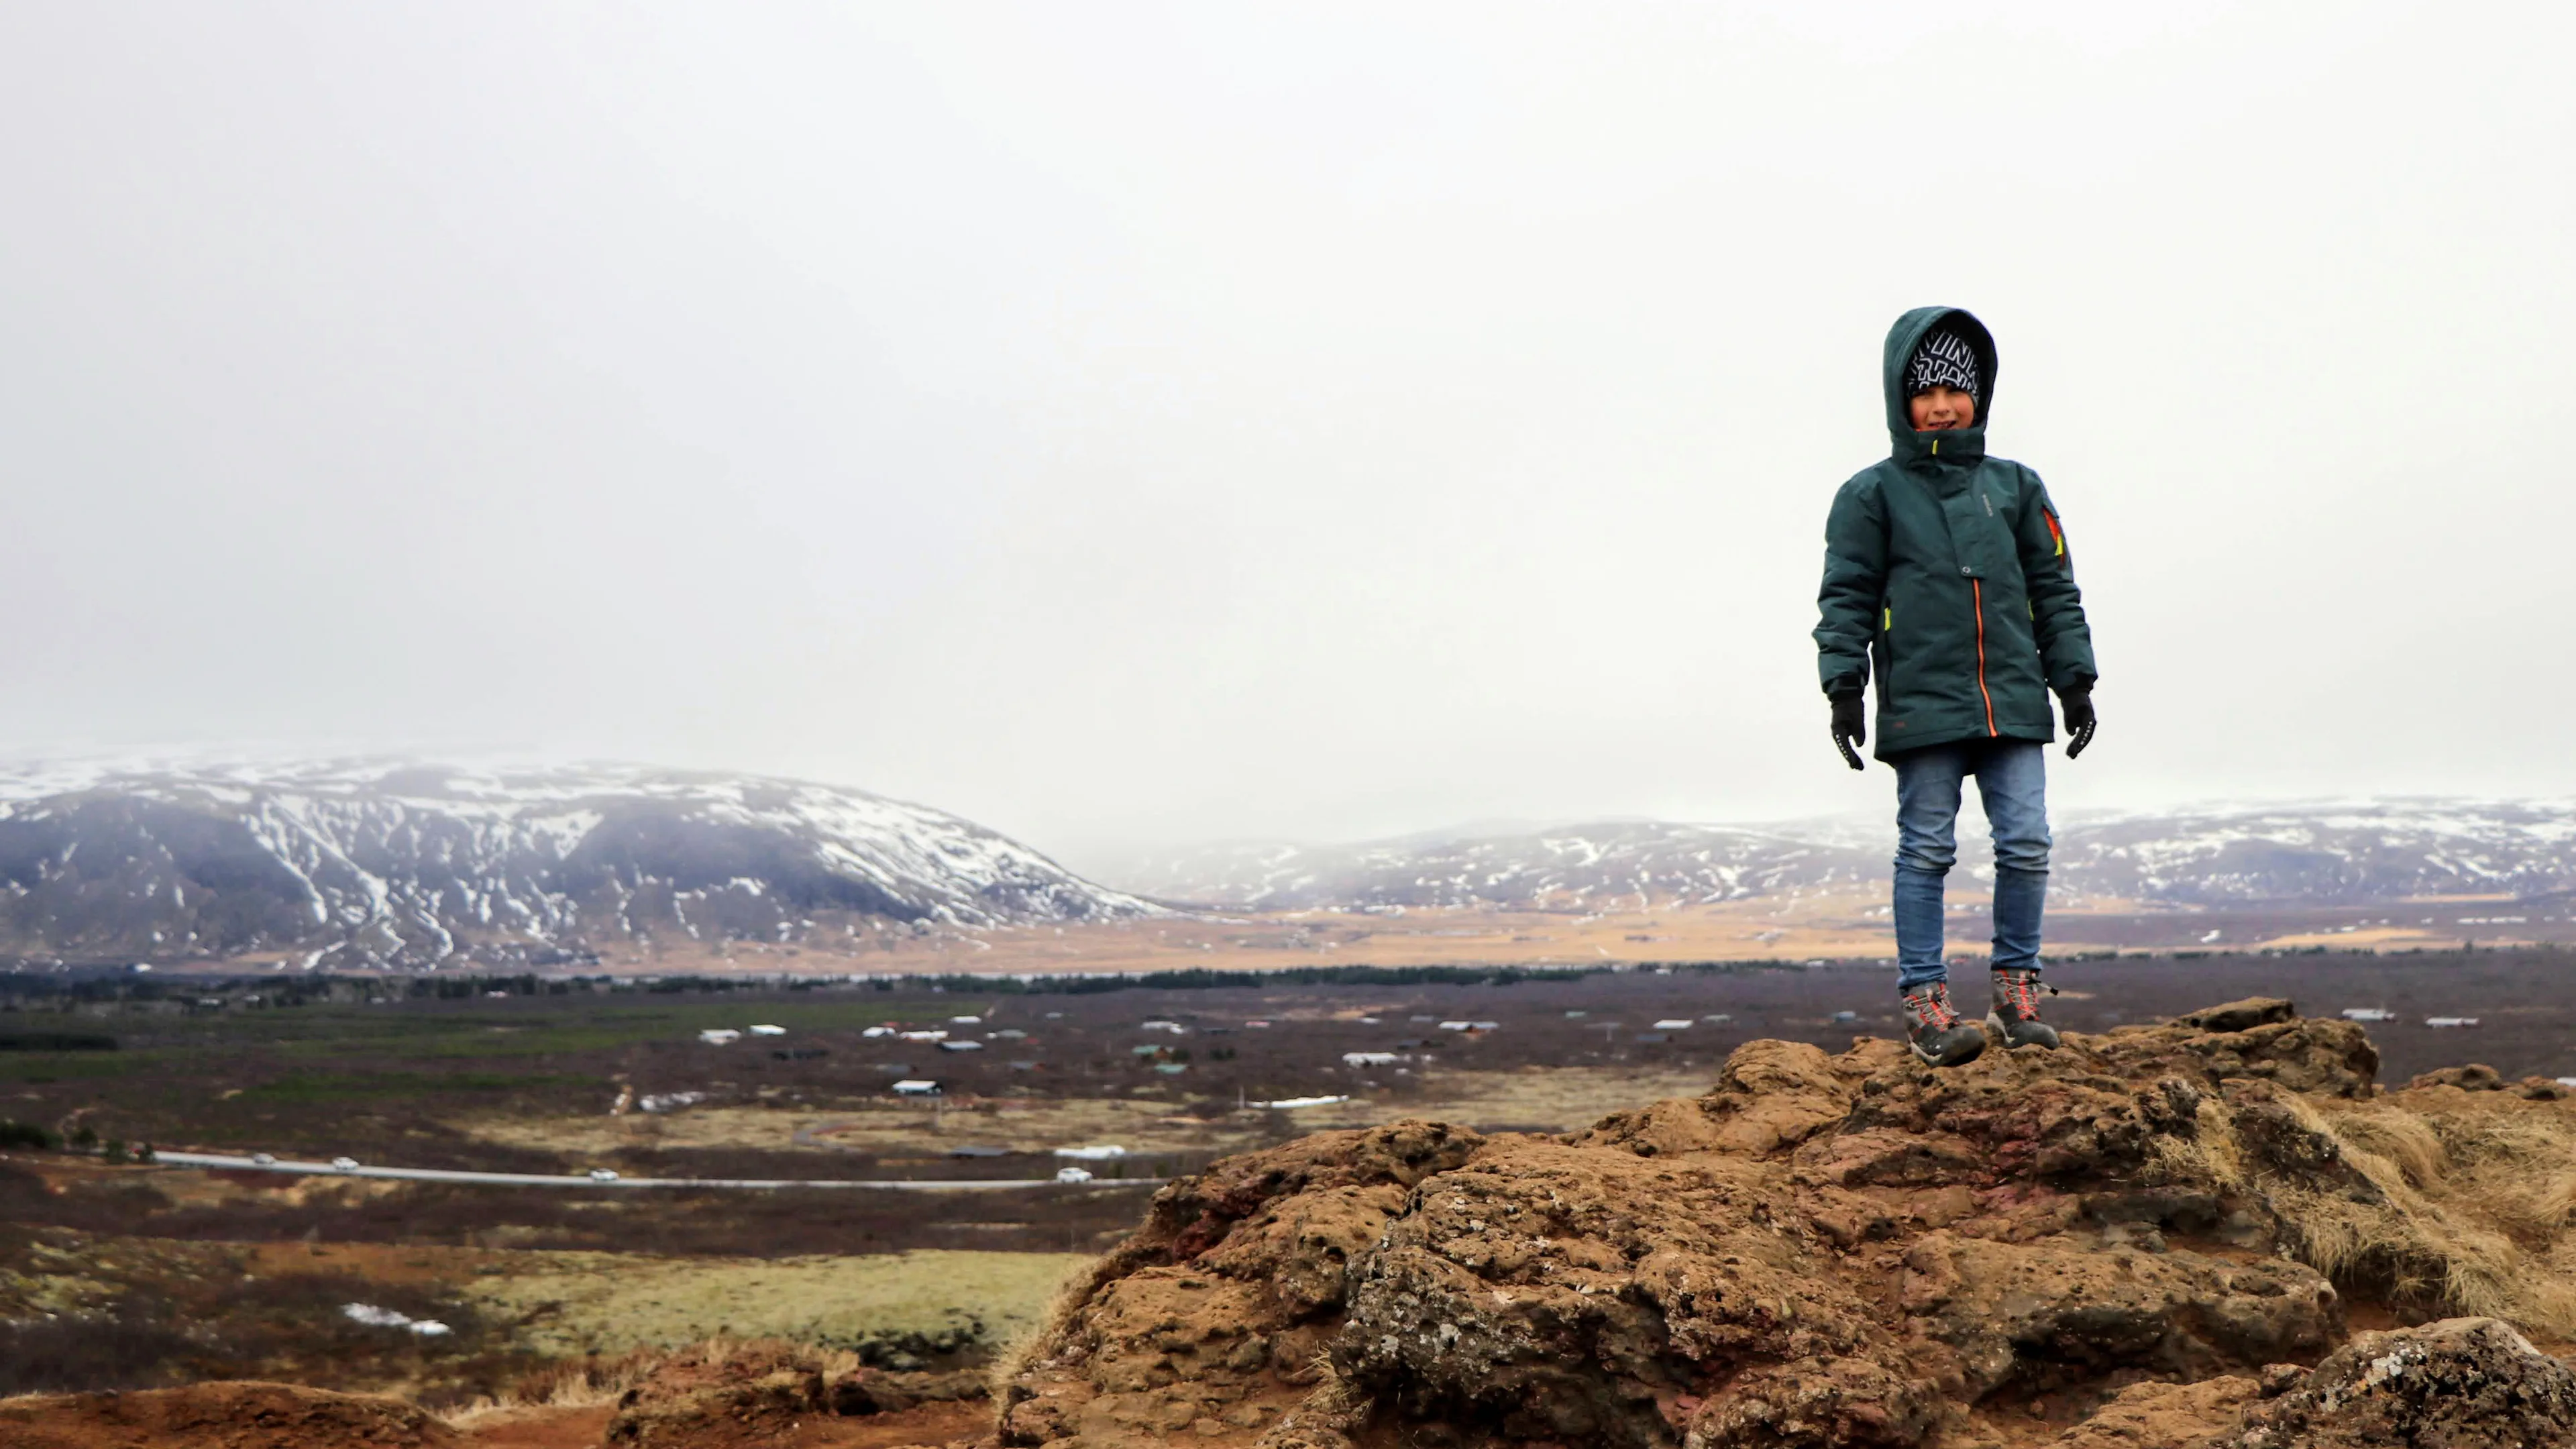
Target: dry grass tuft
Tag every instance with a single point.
(579, 1383)
(2400, 1138)
(2470, 1207)
(2213, 1155)
(2553, 1203)
(1016, 1354)
(584, 1383)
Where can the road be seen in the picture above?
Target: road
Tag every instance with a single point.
(539, 1179)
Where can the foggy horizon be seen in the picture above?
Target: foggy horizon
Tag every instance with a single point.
(1157, 427)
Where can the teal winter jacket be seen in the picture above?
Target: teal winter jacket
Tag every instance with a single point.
(1947, 576)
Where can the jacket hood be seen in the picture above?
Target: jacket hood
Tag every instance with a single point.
(1964, 444)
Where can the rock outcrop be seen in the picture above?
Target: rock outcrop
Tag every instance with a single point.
(221, 1415)
(2147, 1238)
(733, 1395)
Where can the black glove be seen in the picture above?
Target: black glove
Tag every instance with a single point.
(2077, 706)
(1850, 727)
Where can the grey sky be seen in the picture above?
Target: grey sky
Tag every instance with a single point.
(1126, 425)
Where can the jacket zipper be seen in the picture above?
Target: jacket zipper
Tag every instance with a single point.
(1979, 587)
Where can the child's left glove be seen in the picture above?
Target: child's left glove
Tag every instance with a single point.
(2077, 706)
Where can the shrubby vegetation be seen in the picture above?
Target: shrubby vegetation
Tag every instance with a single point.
(26, 1134)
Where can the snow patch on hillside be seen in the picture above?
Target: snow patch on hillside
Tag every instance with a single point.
(403, 862)
(2332, 851)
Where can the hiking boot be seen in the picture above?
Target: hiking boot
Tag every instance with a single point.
(2015, 1019)
(1935, 1031)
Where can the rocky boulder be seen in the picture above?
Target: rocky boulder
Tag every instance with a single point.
(2134, 1240)
(2463, 1383)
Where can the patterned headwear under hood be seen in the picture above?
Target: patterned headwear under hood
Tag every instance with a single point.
(1943, 359)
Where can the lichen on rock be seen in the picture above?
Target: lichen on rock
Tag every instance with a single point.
(2463, 1383)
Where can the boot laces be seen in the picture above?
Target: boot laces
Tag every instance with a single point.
(1932, 1006)
(2021, 992)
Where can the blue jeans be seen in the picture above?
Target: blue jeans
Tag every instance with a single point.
(2012, 779)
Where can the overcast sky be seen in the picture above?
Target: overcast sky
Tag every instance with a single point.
(1133, 425)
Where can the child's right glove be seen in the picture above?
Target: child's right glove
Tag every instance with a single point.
(2077, 706)
(1850, 727)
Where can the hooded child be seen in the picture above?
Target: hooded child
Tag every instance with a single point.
(1948, 583)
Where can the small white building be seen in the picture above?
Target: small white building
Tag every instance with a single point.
(1674, 1023)
(1092, 1154)
(934, 1034)
(916, 1087)
(2450, 1021)
(2368, 1013)
(1367, 1059)
(961, 1046)
(719, 1035)
(766, 1030)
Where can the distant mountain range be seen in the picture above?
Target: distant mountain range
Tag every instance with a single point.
(373, 863)
(2322, 853)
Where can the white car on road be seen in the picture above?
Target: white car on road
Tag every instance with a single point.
(344, 1164)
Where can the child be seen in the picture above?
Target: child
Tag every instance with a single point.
(1947, 579)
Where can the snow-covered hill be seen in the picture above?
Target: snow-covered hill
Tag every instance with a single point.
(2338, 852)
(1602, 864)
(2328, 852)
(349, 863)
